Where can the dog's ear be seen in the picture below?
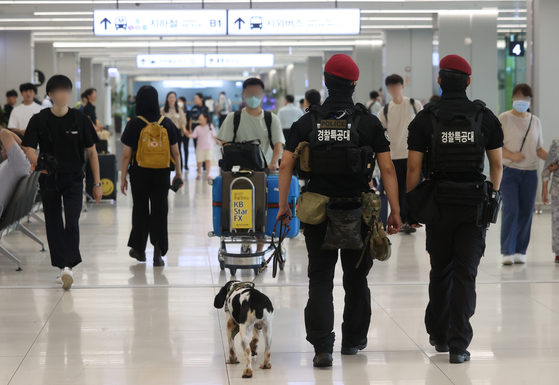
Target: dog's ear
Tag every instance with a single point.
(220, 298)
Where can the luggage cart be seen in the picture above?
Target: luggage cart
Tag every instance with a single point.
(242, 229)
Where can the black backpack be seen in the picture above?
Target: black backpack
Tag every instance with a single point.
(385, 109)
(457, 142)
(247, 155)
(335, 145)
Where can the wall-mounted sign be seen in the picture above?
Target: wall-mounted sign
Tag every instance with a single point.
(193, 83)
(233, 60)
(516, 48)
(171, 61)
(240, 60)
(112, 72)
(294, 22)
(159, 23)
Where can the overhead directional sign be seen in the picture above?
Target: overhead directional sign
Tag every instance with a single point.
(233, 60)
(159, 23)
(171, 61)
(294, 22)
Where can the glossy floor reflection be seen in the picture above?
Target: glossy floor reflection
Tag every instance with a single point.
(129, 323)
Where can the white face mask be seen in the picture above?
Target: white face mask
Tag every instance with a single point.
(180, 104)
(222, 96)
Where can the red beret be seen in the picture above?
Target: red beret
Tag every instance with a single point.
(456, 63)
(342, 66)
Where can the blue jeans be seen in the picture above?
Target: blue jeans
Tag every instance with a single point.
(519, 196)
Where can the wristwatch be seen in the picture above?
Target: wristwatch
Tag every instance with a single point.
(97, 184)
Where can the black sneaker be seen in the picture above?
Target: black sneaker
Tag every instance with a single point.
(157, 259)
(458, 356)
(141, 257)
(322, 360)
(439, 347)
(348, 351)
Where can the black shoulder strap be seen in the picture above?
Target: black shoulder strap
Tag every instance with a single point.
(385, 112)
(268, 120)
(412, 101)
(236, 123)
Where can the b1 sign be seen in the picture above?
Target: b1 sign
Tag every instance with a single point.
(294, 22)
(170, 61)
(159, 23)
(241, 60)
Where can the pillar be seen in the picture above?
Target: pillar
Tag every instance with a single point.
(86, 74)
(99, 83)
(295, 80)
(473, 36)
(545, 57)
(69, 65)
(315, 73)
(368, 58)
(409, 53)
(45, 61)
(16, 59)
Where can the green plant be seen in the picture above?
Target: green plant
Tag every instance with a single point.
(118, 101)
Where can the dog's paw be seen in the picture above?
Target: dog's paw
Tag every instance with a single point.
(266, 366)
(254, 352)
(233, 361)
(247, 373)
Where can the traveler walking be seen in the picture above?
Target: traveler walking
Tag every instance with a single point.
(289, 114)
(549, 168)
(64, 134)
(172, 111)
(373, 105)
(523, 145)
(20, 115)
(206, 136)
(224, 107)
(149, 167)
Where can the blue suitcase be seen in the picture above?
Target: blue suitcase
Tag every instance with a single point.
(273, 206)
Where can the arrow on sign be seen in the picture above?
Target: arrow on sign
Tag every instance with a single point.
(239, 20)
(106, 21)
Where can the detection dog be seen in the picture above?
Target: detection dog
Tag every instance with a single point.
(248, 312)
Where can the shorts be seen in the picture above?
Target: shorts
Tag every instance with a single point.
(204, 156)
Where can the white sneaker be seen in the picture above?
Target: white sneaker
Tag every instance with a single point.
(59, 277)
(508, 260)
(67, 278)
(519, 258)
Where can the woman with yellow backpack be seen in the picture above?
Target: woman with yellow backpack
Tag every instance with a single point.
(150, 153)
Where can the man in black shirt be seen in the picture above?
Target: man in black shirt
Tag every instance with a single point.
(89, 109)
(340, 76)
(11, 99)
(64, 134)
(456, 240)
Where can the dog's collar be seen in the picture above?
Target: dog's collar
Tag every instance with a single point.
(240, 285)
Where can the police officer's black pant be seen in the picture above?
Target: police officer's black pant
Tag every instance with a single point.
(455, 245)
(401, 166)
(319, 313)
(63, 235)
(150, 189)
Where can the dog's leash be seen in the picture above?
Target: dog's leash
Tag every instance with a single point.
(276, 256)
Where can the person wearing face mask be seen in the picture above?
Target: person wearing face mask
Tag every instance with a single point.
(252, 124)
(173, 110)
(523, 145)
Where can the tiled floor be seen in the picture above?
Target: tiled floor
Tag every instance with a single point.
(130, 323)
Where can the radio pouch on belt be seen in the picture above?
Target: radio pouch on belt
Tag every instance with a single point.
(311, 208)
(344, 226)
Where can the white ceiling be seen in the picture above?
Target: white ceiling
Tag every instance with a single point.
(69, 23)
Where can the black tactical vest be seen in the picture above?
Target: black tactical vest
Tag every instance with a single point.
(335, 146)
(457, 143)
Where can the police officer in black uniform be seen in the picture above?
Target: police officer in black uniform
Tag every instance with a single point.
(450, 138)
(340, 76)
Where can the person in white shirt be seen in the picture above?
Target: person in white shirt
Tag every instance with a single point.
(252, 125)
(289, 114)
(522, 149)
(397, 116)
(373, 105)
(14, 166)
(20, 116)
(224, 107)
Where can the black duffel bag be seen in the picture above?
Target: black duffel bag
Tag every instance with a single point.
(422, 204)
(247, 155)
